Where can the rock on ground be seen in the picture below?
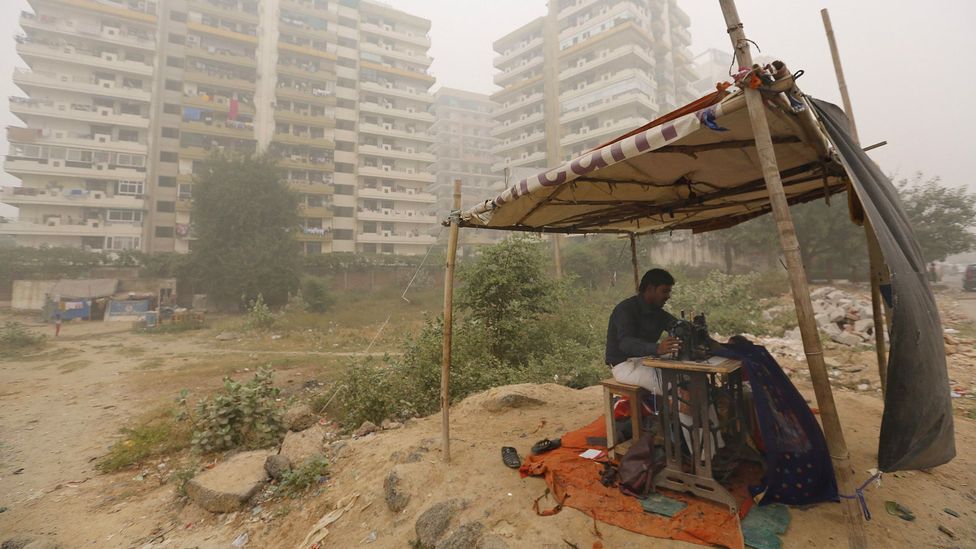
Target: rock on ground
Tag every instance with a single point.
(846, 338)
(229, 485)
(29, 543)
(299, 418)
(506, 397)
(366, 428)
(433, 522)
(227, 336)
(303, 446)
(277, 465)
(491, 541)
(466, 536)
(396, 498)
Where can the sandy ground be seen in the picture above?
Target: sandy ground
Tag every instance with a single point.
(59, 412)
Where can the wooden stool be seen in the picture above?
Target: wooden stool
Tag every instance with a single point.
(631, 392)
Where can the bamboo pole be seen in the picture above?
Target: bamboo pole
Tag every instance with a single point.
(798, 283)
(876, 258)
(448, 325)
(633, 261)
(557, 255)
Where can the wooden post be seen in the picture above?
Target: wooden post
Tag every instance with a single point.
(448, 325)
(798, 284)
(876, 258)
(557, 255)
(633, 261)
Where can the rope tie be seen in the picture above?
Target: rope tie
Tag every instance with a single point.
(859, 495)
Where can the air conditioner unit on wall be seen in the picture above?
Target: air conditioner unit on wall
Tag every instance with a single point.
(102, 138)
(109, 56)
(387, 233)
(387, 147)
(387, 126)
(387, 169)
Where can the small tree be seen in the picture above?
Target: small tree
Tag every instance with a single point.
(244, 218)
(942, 217)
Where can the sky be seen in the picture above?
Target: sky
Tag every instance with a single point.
(905, 64)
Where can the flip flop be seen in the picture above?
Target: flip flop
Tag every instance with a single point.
(510, 457)
(545, 445)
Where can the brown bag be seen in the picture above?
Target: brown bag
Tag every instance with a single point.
(638, 467)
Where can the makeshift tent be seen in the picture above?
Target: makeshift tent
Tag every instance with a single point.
(75, 298)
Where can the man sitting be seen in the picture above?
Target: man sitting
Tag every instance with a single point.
(635, 329)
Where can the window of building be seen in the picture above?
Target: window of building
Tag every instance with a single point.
(346, 42)
(129, 187)
(174, 85)
(168, 156)
(176, 38)
(346, 62)
(185, 191)
(122, 242)
(343, 211)
(347, 22)
(387, 248)
(172, 133)
(178, 16)
(342, 167)
(369, 248)
(342, 234)
(345, 124)
(346, 83)
(128, 135)
(313, 247)
(164, 232)
(170, 108)
(165, 206)
(345, 189)
(128, 216)
(315, 200)
(369, 227)
(345, 103)
(174, 62)
(166, 181)
(348, 146)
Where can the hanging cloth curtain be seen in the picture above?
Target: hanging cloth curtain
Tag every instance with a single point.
(234, 106)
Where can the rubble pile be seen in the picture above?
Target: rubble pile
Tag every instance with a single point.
(843, 317)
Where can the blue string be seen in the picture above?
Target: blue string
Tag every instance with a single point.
(859, 496)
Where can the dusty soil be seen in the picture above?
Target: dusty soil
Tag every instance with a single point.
(60, 410)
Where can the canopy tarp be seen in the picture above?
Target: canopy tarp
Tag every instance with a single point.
(697, 168)
(85, 289)
(696, 171)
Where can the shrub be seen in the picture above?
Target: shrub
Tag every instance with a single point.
(15, 338)
(242, 415)
(156, 435)
(730, 302)
(259, 315)
(315, 291)
(297, 480)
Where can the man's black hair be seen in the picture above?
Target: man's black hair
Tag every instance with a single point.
(655, 277)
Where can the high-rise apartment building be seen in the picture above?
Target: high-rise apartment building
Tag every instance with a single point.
(712, 66)
(463, 147)
(591, 69)
(125, 98)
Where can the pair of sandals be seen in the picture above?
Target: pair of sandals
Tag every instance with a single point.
(511, 458)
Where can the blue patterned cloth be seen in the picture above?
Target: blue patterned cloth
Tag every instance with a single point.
(798, 466)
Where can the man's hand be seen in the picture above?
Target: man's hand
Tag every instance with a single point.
(668, 345)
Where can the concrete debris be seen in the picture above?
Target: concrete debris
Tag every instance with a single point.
(845, 318)
(299, 418)
(303, 446)
(229, 485)
(366, 428)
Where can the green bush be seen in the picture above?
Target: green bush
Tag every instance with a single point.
(298, 479)
(316, 294)
(14, 338)
(259, 315)
(242, 415)
(157, 435)
(731, 303)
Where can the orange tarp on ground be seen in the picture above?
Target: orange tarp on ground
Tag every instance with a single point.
(575, 481)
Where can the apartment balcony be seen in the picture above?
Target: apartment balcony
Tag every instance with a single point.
(221, 56)
(391, 131)
(524, 160)
(388, 32)
(304, 139)
(512, 76)
(502, 148)
(326, 120)
(515, 105)
(302, 163)
(601, 106)
(63, 168)
(184, 205)
(514, 126)
(682, 35)
(606, 58)
(391, 51)
(314, 234)
(218, 10)
(326, 73)
(392, 237)
(28, 79)
(193, 153)
(575, 8)
(62, 138)
(309, 8)
(403, 153)
(69, 54)
(306, 50)
(216, 79)
(607, 130)
(515, 88)
(416, 176)
(421, 116)
(69, 197)
(390, 193)
(216, 104)
(222, 33)
(318, 96)
(324, 212)
(401, 73)
(231, 129)
(416, 95)
(609, 80)
(130, 9)
(75, 111)
(309, 187)
(70, 27)
(389, 214)
(60, 227)
(502, 60)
